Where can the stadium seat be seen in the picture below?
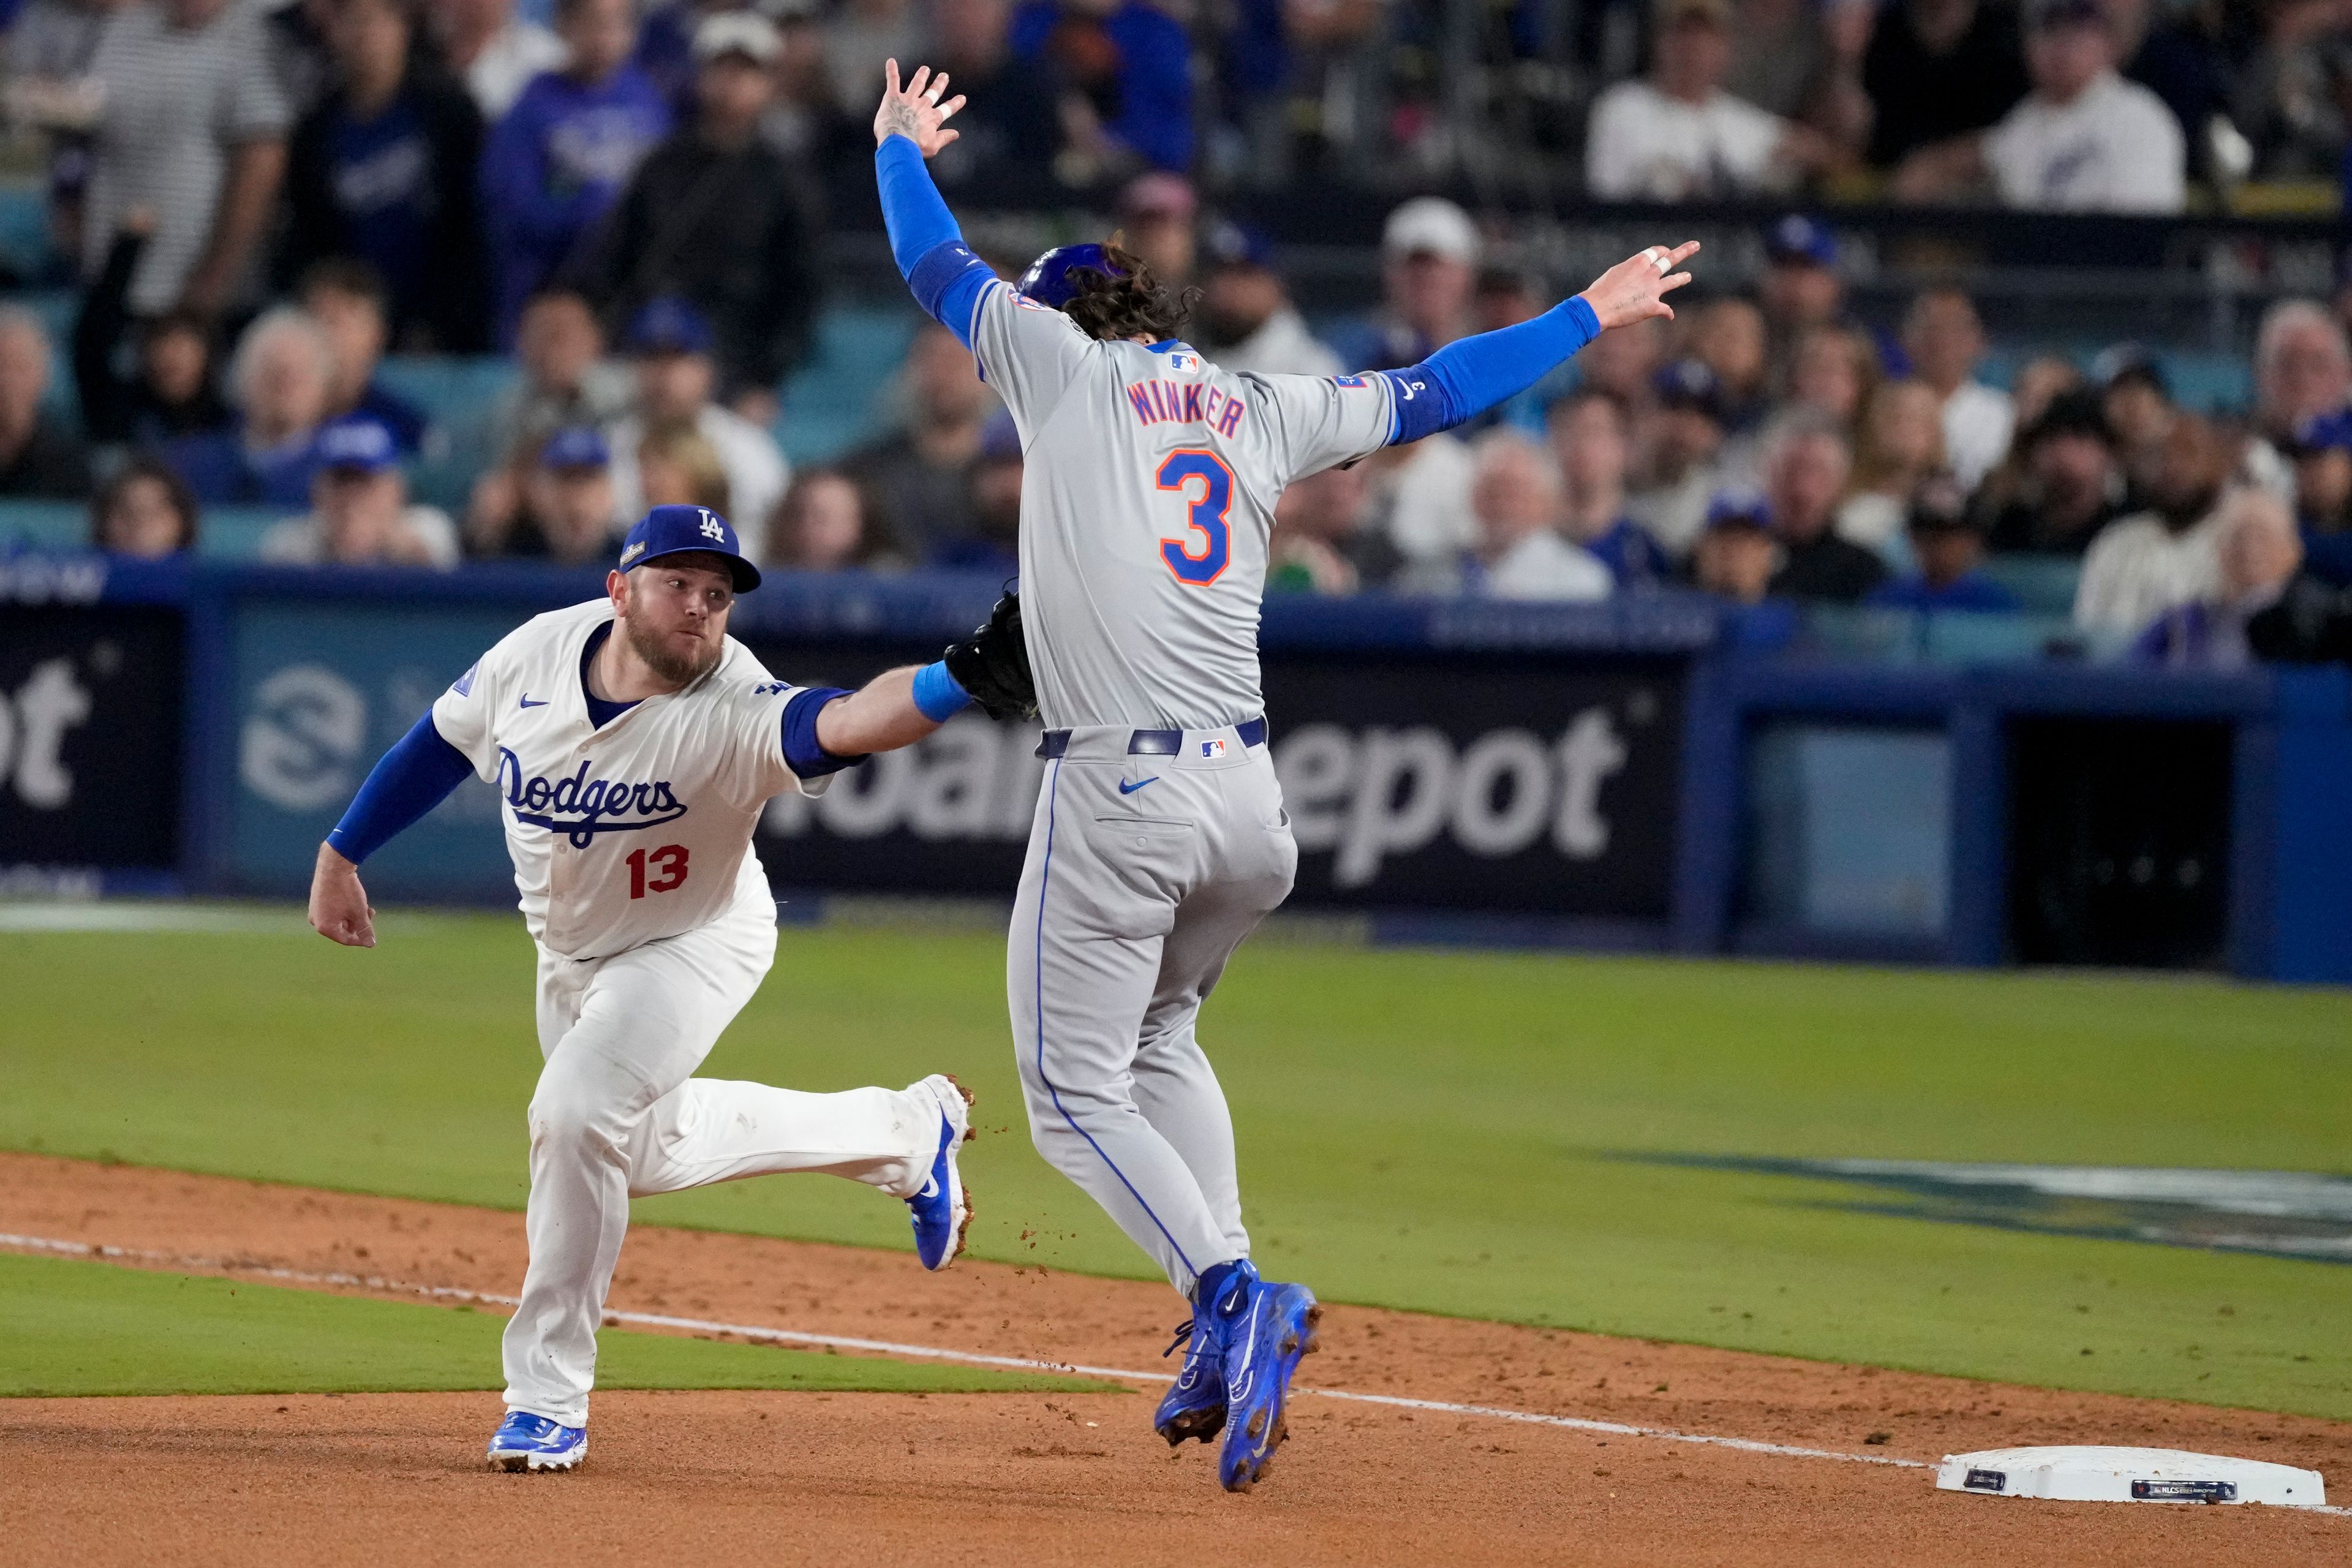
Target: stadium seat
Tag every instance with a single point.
(839, 399)
(2042, 584)
(224, 533)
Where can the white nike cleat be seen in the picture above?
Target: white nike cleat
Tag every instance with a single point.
(942, 1210)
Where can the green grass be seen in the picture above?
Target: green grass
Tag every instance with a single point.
(1425, 1130)
(74, 1327)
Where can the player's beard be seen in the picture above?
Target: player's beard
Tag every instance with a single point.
(663, 657)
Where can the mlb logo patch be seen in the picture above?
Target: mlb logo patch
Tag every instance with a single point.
(1348, 381)
(1026, 303)
(1183, 364)
(1213, 748)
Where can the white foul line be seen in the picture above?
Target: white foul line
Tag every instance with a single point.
(969, 1358)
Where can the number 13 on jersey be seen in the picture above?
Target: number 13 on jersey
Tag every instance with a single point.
(1207, 486)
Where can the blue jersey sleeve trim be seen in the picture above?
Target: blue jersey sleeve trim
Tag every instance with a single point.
(807, 759)
(1465, 378)
(912, 208)
(410, 780)
(947, 283)
(939, 269)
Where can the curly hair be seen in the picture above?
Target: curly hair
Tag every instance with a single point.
(1128, 304)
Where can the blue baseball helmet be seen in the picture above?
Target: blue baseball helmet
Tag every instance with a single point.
(1047, 281)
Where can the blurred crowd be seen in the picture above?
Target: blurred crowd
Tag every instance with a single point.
(262, 203)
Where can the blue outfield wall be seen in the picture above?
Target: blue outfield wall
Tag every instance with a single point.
(1636, 775)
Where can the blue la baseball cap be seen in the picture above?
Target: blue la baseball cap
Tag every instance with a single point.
(667, 324)
(683, 529)
(1231, 244)
(1689, 384)
(1798, 237)
(1047, 281)
(357, 442)
(1742, 506)
(575, 447)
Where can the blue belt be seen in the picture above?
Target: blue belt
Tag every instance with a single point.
(1153, 743)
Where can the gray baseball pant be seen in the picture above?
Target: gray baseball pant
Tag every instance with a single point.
(1145, 872)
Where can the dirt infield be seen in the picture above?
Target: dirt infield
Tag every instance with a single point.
(870, 1477)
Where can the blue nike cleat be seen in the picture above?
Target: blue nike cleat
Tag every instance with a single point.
(528, 1442)
(1194, 1405)
(942, 1210)
(1261, 1351)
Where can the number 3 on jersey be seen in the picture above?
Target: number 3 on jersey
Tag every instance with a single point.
(1207, 486)
(669, 870)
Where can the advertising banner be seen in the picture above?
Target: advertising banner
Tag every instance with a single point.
(1543, 785)
(89, 743)
(1457, 782)
(316, 693)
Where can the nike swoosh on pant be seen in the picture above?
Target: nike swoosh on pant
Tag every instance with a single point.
(1127, 788)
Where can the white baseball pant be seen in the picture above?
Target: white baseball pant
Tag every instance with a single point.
(1145, 872)
(617, 1116)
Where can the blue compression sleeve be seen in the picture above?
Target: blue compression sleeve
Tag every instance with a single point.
(938, 695)
(802, 754)
(1470, 376)
(946, 277)
(408, 781)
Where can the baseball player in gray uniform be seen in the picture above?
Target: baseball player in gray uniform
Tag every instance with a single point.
(1159, 838)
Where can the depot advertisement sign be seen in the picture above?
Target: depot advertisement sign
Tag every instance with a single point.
(89, 738)
(1534, 784)
(1439, 783)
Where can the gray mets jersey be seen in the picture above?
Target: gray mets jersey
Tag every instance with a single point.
(1145, 510)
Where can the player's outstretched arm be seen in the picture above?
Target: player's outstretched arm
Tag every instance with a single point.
(880, 716)
(900, 707)
(1465, 378)
(410, 780)
(946, 278)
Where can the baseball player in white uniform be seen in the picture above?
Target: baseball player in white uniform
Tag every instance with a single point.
(633, 743)
(1159, 838)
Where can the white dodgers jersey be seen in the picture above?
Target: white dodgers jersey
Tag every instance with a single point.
(1146, 508)
(636, 830)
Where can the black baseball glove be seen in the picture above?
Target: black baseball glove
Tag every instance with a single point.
(993, 664)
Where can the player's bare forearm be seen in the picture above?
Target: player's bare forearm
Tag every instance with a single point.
(1636, 288)
(339, 904)
(879, 716)
(915, 111)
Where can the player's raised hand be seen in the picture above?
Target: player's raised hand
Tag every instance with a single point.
(339, 905)
(1635, 289)
(915, 111)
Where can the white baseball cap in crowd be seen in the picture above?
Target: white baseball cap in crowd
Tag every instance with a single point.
(1430, 226)
(745, 33)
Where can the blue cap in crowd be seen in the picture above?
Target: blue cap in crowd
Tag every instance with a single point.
(575, 447)
(1689, 384)
(668, 325)
(1742, 506)
(1231, 244)
(678, 530)
(2323, 432)
(1801, 238)
(357, 443)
